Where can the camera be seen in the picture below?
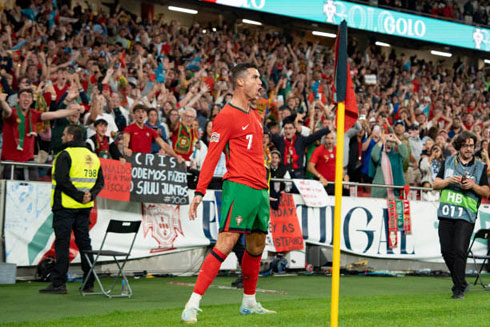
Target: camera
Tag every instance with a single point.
(462, 179)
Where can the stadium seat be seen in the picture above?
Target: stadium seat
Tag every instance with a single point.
(482, 234)
(117, 227)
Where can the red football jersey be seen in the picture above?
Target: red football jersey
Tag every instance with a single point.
(10, 139)
(324, 161)
(240, 135)
(141, 138)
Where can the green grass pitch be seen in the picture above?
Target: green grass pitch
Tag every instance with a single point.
(299, 301)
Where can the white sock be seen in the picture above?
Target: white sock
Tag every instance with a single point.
(194, 300)
(248, 300)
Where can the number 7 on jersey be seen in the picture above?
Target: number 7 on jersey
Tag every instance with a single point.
(249, 137)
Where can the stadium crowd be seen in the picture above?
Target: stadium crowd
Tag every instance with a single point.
(116, 75)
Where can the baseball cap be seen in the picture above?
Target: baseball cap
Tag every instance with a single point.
(399, 121)
(132, 81)
(276, 152)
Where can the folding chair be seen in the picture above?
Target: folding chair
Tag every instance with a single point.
(483, 234)
(119, 227)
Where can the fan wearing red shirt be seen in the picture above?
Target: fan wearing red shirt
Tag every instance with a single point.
(322, 163)
(237, 130)
(19, 130)
(138, 137)
(61, 86)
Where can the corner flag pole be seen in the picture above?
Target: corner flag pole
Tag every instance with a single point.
(339, 169)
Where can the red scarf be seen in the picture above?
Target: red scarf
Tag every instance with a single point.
(290, 156)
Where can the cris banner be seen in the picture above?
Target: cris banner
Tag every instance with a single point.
(146, 177)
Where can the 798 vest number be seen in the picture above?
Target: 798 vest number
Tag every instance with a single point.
(90, 172)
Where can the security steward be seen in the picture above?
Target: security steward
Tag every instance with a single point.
(463, 181)
(77, 179)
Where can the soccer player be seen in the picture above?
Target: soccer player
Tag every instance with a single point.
(238, 131)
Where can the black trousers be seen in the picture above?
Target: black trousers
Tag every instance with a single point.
(64, 221)
(330, 188)
(454, 237)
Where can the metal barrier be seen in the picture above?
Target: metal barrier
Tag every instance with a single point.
(14, 164)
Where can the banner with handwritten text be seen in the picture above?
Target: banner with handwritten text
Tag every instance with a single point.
(312, 192)
(158, 179)
(150, 178)
(284, 226)
(117, 180)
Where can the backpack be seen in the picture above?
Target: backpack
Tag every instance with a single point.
(45, 268)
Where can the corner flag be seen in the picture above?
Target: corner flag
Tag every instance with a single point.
(343, 90)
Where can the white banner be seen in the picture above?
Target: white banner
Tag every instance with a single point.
(312, 192)
(167, 228)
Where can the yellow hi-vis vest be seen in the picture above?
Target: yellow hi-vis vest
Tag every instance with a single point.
(84, 171)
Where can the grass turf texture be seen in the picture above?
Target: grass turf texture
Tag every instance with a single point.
(364, 301)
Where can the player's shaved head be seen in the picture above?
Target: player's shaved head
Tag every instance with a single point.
(239, 71)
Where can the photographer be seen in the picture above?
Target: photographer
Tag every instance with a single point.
(387, 159)
(462, 181)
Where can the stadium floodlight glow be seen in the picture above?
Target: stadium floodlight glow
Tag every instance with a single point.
(184, 10)
(251, 22)
(382, 44)
(440, 53)
(324, 34)
(487, 61)
(214, 29)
